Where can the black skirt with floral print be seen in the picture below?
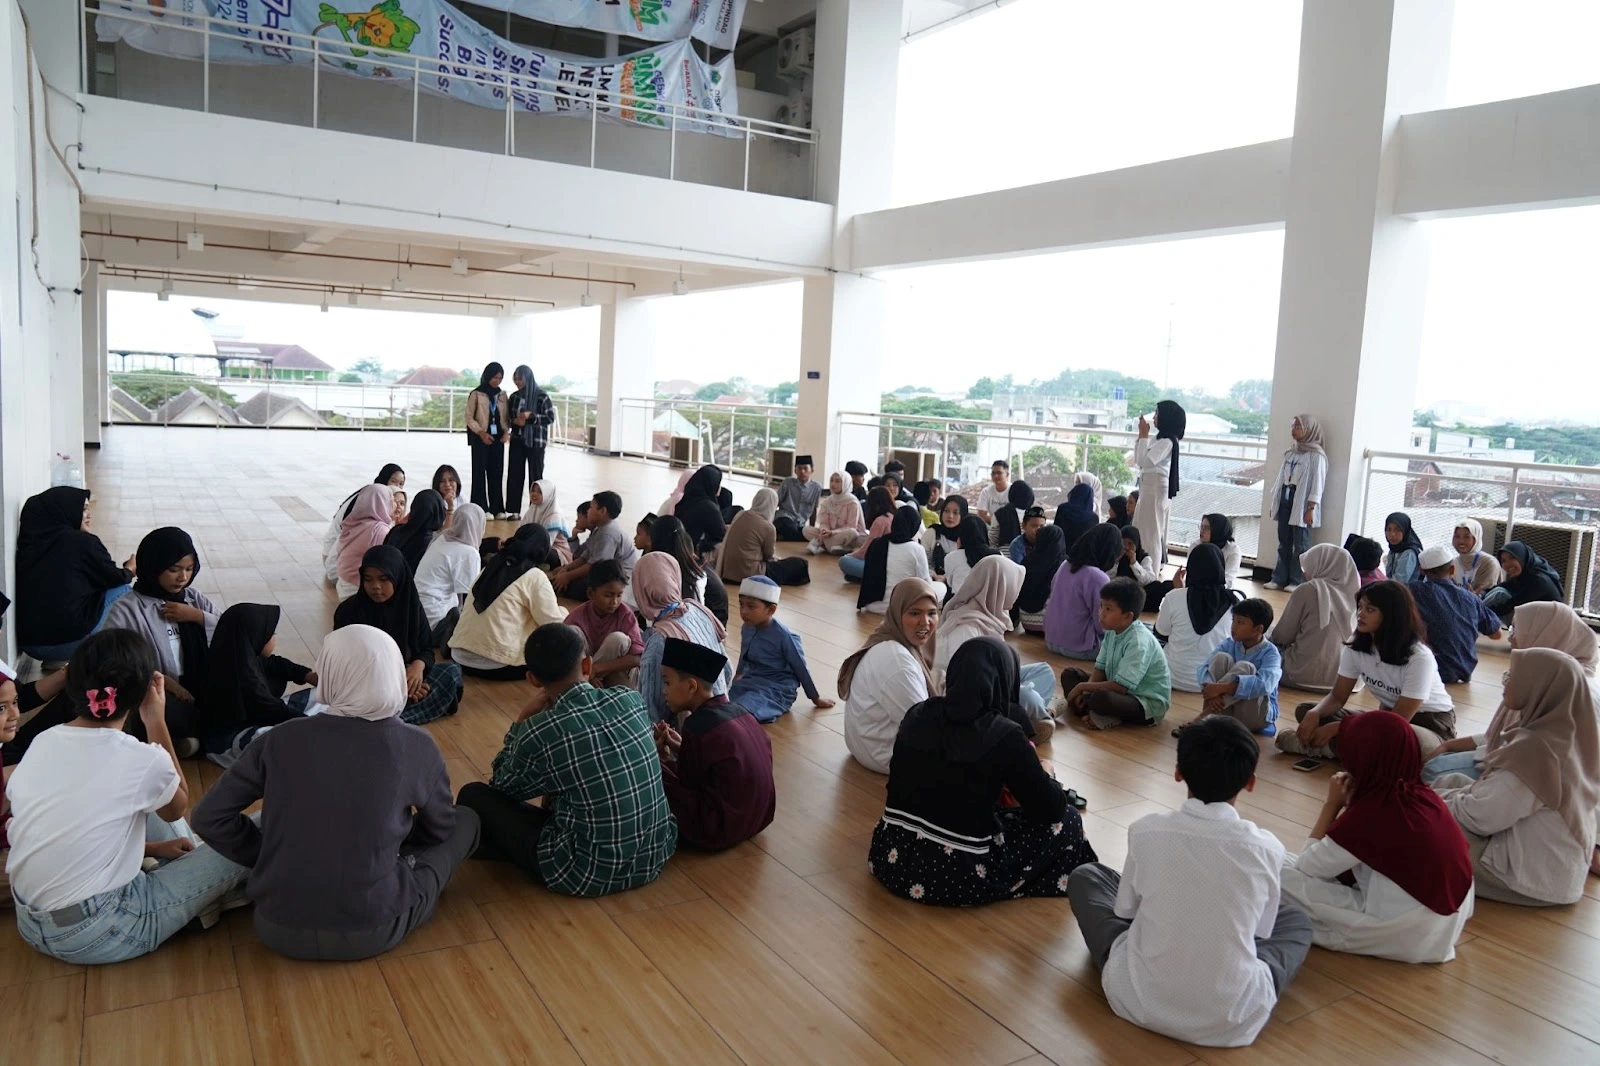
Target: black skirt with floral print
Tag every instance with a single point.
(1023, 858)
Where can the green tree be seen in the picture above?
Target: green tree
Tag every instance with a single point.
(985, 387)
(155, 387)
(351, 378)
(369, 369)
(1254, 394)
(708, 393)
(1041, 459)
(785, 393)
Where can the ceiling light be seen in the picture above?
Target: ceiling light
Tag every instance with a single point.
(397, 285)
(680, 288)
(324, 303)
(196, 241)
(166, 290)
(458, 266)
(585, 300)
(352, 299)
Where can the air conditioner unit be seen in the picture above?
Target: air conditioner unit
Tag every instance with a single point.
(1568, 548)
(590, 434)
(780, 464)
(684, 451)
(797, 52)
(796, 111)
(920, 465)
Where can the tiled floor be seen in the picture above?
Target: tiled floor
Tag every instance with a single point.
(782, 950)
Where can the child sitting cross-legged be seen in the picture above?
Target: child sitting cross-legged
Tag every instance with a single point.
(1193, 940)
(1241, 679)
(1130, 684)
(717, 772)
(610, 629)
(772, 663)
(589, 752)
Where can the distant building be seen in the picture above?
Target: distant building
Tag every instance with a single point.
(429, 377)
(277, 410)
(676, 389)
(279, 362)
(125, 408)
(1039, 409)
(191, 407)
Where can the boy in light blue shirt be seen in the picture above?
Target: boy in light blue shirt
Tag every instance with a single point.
(1241, 679)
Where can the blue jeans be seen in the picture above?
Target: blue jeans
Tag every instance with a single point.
(1456, 762)
(1293, 542)
(1038, 686)
(851, 567)
(137, 918)
(54, 653)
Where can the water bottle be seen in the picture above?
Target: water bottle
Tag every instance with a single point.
(64, 470)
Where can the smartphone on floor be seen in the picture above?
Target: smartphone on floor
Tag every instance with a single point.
(1308, 765)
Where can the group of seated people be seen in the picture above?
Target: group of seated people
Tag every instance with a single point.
(640, 735)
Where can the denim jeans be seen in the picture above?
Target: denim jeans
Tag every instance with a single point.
(1456, 762)
(851, 567)
(55, 653)
(1293, 542)
(1038, 686)
(139, 917)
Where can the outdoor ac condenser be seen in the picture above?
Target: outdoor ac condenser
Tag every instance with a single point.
(1568, 548)
(920, 465)
(780, 464)
(684, 451)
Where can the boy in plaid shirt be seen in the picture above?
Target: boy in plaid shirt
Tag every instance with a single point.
(590, 753)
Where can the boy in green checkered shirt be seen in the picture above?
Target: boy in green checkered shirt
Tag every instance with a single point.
(590, 753)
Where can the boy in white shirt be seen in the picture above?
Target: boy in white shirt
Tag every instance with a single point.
(1193, 940)
(995, 495)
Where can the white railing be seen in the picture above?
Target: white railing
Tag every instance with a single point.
(733, 436)
(1220, 474)
(143, 397)
(667, 116)
(1556, 506)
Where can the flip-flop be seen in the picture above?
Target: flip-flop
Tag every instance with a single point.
(1077, 801)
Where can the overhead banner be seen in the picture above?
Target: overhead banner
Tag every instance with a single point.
(716, 22)
(438, 42)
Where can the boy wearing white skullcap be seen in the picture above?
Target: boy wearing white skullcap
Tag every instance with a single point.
(772, 664)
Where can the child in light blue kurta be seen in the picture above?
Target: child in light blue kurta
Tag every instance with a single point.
(772, 665)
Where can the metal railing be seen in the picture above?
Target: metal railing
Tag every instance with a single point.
(1220, 474)
(144, 397)
(1557, 507)
(522, 93)
(733, 436)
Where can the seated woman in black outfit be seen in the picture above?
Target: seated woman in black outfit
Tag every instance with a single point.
(66, 580)
(948, 835)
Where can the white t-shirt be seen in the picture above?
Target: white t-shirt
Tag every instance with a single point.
(888, 682)
(1185, 648)
(446, 572)
(78, 805)
(1417, 679)
(956, 568)
(903, 561)
(1201, 884)
(992, 499)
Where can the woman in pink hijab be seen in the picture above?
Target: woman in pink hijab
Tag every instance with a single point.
(366, 523)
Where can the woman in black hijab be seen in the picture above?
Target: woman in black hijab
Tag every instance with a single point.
(386, 599)
(1528, 579)
(66, 580)
(904, 528)
(947, 533)
(1039, 570)
(530, 416)
(1206, 591)
(244, 681)
(668, 535)
(699, 511)
(1008, 519)
(1157, 462)
(413, 536)
(971, 816)
(1119, 517)
(524, 551)
(487, 421)
(1076, 516)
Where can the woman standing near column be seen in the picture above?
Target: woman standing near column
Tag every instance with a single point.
(1157, 463)
(531, 414)
(487, 420)
(1297, 499)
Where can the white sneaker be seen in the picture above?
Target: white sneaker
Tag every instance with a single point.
(815, 549)
(1043, 730)
(1290, 588)
(234, 899)
(1059, 708)
(1273, 585)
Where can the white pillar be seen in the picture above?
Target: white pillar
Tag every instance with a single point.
(842, 321)
(1354, 275)
(511, 345)
(96, 407)
(627, 369)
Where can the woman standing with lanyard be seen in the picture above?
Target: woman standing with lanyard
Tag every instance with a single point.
(531, 414)
(1297, 499)
(486, 431)
(1157, 463)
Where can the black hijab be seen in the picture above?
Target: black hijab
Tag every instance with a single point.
(414, 535)
(1124, 568)
(389, 470)
(62, 569)
(1538, 580)
(1076, 516)
(1221, 530)
(942, 532)
(1171, 421)
(237, 691)
(980, 707)
(700, 511)
(974, 537)
(488, 375)
(1039, 568)
(668, 535)
(1009, 518)
(1208, 594)
(1100, 548)
(906, 527)
(1118, 506)
(400, 616)
(160, 549)
(1409, 538)
(45, 518)
(524, 551)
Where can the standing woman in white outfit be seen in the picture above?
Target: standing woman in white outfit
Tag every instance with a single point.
(1297, 499)
(1157, 463)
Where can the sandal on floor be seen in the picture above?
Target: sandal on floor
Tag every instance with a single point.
(1078, 802)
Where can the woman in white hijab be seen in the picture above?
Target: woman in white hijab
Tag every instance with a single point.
(545, 510)
(341, 867)
(982, 608)
(1297, 499)
(840, 526)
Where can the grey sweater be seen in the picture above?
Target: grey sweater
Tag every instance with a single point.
(338, 798)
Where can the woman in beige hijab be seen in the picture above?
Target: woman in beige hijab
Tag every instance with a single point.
(1530, 817)
(1297, 499)
(891, 673)
(1318, 619)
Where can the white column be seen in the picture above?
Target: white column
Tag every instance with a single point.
(842, 322)
(511, 344)
(627, 369)
(96, 407)
(1354, 275)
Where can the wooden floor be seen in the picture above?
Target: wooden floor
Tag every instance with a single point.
(782, 950)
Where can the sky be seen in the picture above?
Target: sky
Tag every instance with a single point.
(1119, 84)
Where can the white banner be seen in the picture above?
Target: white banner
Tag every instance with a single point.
(438, 42)
(715, 22)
